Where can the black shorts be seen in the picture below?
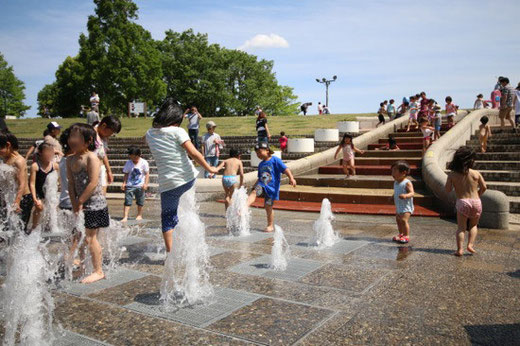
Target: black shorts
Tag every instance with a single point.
(26, 204)
(96, 218)
(381, 118)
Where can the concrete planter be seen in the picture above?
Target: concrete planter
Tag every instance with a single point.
(326, 135)
(300, 145)
(255, 161)
(348, 126)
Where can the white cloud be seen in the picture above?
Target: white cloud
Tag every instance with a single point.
(265, 41)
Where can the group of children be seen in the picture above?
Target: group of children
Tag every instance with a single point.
(78, 158)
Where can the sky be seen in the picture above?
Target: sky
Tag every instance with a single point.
(378, 49)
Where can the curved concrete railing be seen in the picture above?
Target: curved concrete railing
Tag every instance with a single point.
(495, 204)
(314, 161)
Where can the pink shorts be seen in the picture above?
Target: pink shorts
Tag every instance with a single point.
(469, 207)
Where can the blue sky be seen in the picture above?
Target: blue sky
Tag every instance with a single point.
(378, 49)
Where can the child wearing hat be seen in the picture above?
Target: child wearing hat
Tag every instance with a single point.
(267, 186)
(212, 144)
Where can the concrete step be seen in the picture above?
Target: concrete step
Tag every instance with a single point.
(507, 187)
(514, 204)
(492, 148)
(391, 153)
(402, 146)
(402, 140)
(359, 181)
(368, 170)
(499, 156)
(410, 134)
(347, 195)
(153, 169)
(499, 175)
(344, 208)
(501, 141)
(497, 165)
(376, 161)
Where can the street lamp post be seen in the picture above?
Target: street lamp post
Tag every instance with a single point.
(327, 83)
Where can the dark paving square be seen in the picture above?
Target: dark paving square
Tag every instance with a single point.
(271, 321)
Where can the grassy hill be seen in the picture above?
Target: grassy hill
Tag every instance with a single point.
(226, 126)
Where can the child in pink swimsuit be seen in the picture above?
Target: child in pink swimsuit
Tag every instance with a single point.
(469, 185)
(349, 149)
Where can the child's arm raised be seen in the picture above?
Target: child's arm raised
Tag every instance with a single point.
(410, 192)
(32, 186)
(241, 173)
(197, 156)
(449, 184)
(482, 187)
(93, 168)
(288, 173)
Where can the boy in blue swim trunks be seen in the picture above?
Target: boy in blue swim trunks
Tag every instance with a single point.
(268, 184)
(233, 166)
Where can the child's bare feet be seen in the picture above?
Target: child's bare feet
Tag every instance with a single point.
(138, 217)
(124, 220)
(269, 230)
(93, 278)
(458, 253)
(471, 249)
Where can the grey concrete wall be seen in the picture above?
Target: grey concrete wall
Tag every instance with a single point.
(494, 203)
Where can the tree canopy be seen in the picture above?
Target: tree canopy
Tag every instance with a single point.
(120, 61)
(11, 91)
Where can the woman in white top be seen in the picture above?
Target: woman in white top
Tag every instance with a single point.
(171, 148)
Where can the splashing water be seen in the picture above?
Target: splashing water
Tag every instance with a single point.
(238, 215)
(324, 234)
(50, 206)
(27, 302)
(186, 274)
(280, 251)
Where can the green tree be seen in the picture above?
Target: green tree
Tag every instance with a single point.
(47, 98)
(11, 91)
(119, 57)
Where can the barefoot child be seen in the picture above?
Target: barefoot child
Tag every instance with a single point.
(427, 132)
(469, 185)
(86, 192)
(437, 122)
(23, 202)
(170, 146)
(135, 182)
(451, 111)
(348, 148)
(391, 145)
(381, 114)
(233, 166)
(403, 200)
(268, 184)
(484, 133)
(414, 108)
(40, 169)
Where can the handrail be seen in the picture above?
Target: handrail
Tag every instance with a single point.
(495, 204)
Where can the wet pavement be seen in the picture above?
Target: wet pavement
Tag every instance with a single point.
(363, 290)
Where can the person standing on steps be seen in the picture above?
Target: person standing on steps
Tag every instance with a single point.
(262, 129)
(194, 117)
(506, 102)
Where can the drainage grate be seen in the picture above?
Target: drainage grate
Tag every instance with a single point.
(260, 266)
(72, 339)
(224, 302)
(252, 238)
(342, 247)
(116, 278)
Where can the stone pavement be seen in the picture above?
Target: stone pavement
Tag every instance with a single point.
(364, 290)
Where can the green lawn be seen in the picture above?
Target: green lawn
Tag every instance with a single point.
(226, 126)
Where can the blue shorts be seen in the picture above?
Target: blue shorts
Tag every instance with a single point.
(260, 192)
(170, 204)
(229, 180)
(438, 123)
(137, 192)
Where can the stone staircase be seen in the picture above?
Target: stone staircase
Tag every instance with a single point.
(117, 155)
(500, 165)
(370, 190)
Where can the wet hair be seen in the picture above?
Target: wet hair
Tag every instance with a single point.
(234, 152)
(133, 150)
(479, 96)
(282, 133)
(448, 99)
(112, 123)
(64, 140)
(345, 136)
(87, 132)
(402, 166)
(170, 113)
(462, 160)
(43, 146)
(484, 120)
(392, 101)
(8, 137)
